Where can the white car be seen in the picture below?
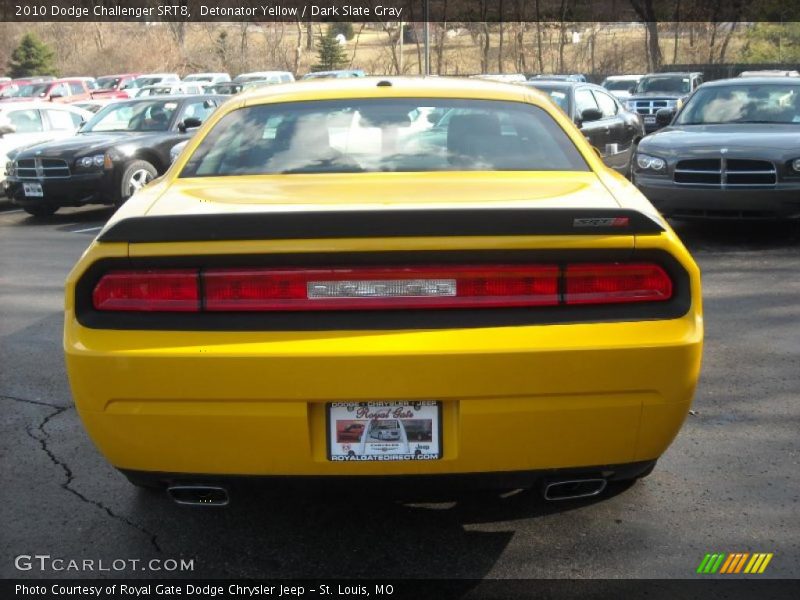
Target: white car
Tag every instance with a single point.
(93, 106)
(207, 78)
(621, 85)
(23, 124)
(169, 89)
(150, 79)
(269, 76)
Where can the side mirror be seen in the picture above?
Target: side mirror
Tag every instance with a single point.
(189, 123)
(664, 116)
(591, 114)
(55, 96)
(6, 129)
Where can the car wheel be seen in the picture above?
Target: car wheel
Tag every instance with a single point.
(137, 175)
(41, 212)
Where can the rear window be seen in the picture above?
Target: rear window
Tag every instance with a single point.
(376, 135)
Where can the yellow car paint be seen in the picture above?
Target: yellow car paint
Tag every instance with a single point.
(514, 398)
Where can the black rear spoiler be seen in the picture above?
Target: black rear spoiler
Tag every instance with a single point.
(380, 223)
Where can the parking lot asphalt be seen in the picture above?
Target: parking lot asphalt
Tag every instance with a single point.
(729, 482)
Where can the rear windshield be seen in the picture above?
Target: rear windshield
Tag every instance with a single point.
(374, 135)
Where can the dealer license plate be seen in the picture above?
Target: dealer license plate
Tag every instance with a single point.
(384, 431)
(650, 120)
(32, 190)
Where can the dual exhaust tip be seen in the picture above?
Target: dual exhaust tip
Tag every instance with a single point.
(572, 489)
(217, 496)
(198, 495)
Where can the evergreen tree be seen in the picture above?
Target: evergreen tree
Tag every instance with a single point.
(31, 57)
(330, 55)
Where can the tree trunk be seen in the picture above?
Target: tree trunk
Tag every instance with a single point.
(677, 25)
(647, 14)
(540, 58)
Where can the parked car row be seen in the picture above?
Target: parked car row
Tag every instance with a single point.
(728, 148)
(113, 154)
(131, 85)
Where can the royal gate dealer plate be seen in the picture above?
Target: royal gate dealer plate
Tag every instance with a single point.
(371, 431)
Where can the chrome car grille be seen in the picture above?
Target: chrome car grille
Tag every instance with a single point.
(41, 168)
(723, 172)
(649, 107)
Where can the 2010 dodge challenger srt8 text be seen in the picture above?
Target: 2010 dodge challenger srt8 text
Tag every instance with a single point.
(490, 305)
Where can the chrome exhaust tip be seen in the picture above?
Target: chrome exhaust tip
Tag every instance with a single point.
(571, 489)
(198, 495)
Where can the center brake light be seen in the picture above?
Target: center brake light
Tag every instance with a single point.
(380, 288)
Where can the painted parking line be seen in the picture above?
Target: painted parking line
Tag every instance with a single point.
(88, 229)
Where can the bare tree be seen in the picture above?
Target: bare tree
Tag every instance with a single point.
(540, 54)
(646, 12)
(562, 37)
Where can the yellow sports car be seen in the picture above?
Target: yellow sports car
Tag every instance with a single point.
(412, 279)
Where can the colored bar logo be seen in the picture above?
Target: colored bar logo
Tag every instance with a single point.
(734, 563)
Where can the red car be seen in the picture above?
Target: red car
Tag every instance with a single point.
(57, 90)
(10, 87)
(350, 433)
(111, 86)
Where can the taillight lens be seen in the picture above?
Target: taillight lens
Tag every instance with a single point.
(157, 290)
(456, 286)
(380, 288)
(616, 283)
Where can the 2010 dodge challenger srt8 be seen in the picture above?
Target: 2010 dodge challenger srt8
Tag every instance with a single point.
(493, 305)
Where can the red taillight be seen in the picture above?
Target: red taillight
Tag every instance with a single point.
(615, 283)
(364, 288)
(380, 288)
(170, 290)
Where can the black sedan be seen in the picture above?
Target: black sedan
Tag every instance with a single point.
(607, 124)
(733, 151)
(123, 147)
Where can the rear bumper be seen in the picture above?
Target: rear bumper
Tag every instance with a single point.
(420, 485)
(514, 399)
(687, 202)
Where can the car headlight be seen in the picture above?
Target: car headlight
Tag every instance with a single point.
(796, 165)
(10, 168)
(679, 103)
(650, 163)
(91, 162)
(630, 104)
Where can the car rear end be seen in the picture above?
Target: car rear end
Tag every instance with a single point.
(524, 329)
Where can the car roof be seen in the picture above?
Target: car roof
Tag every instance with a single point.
(623, 77)
(775, 79)
(28, 104)
(171, 98)
(392, 87)
(561, 84)
(673, 74)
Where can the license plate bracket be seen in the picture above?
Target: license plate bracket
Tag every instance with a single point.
(33, 190)
(384, 431)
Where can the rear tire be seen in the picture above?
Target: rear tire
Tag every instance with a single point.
(41, 212)
(136, 175)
